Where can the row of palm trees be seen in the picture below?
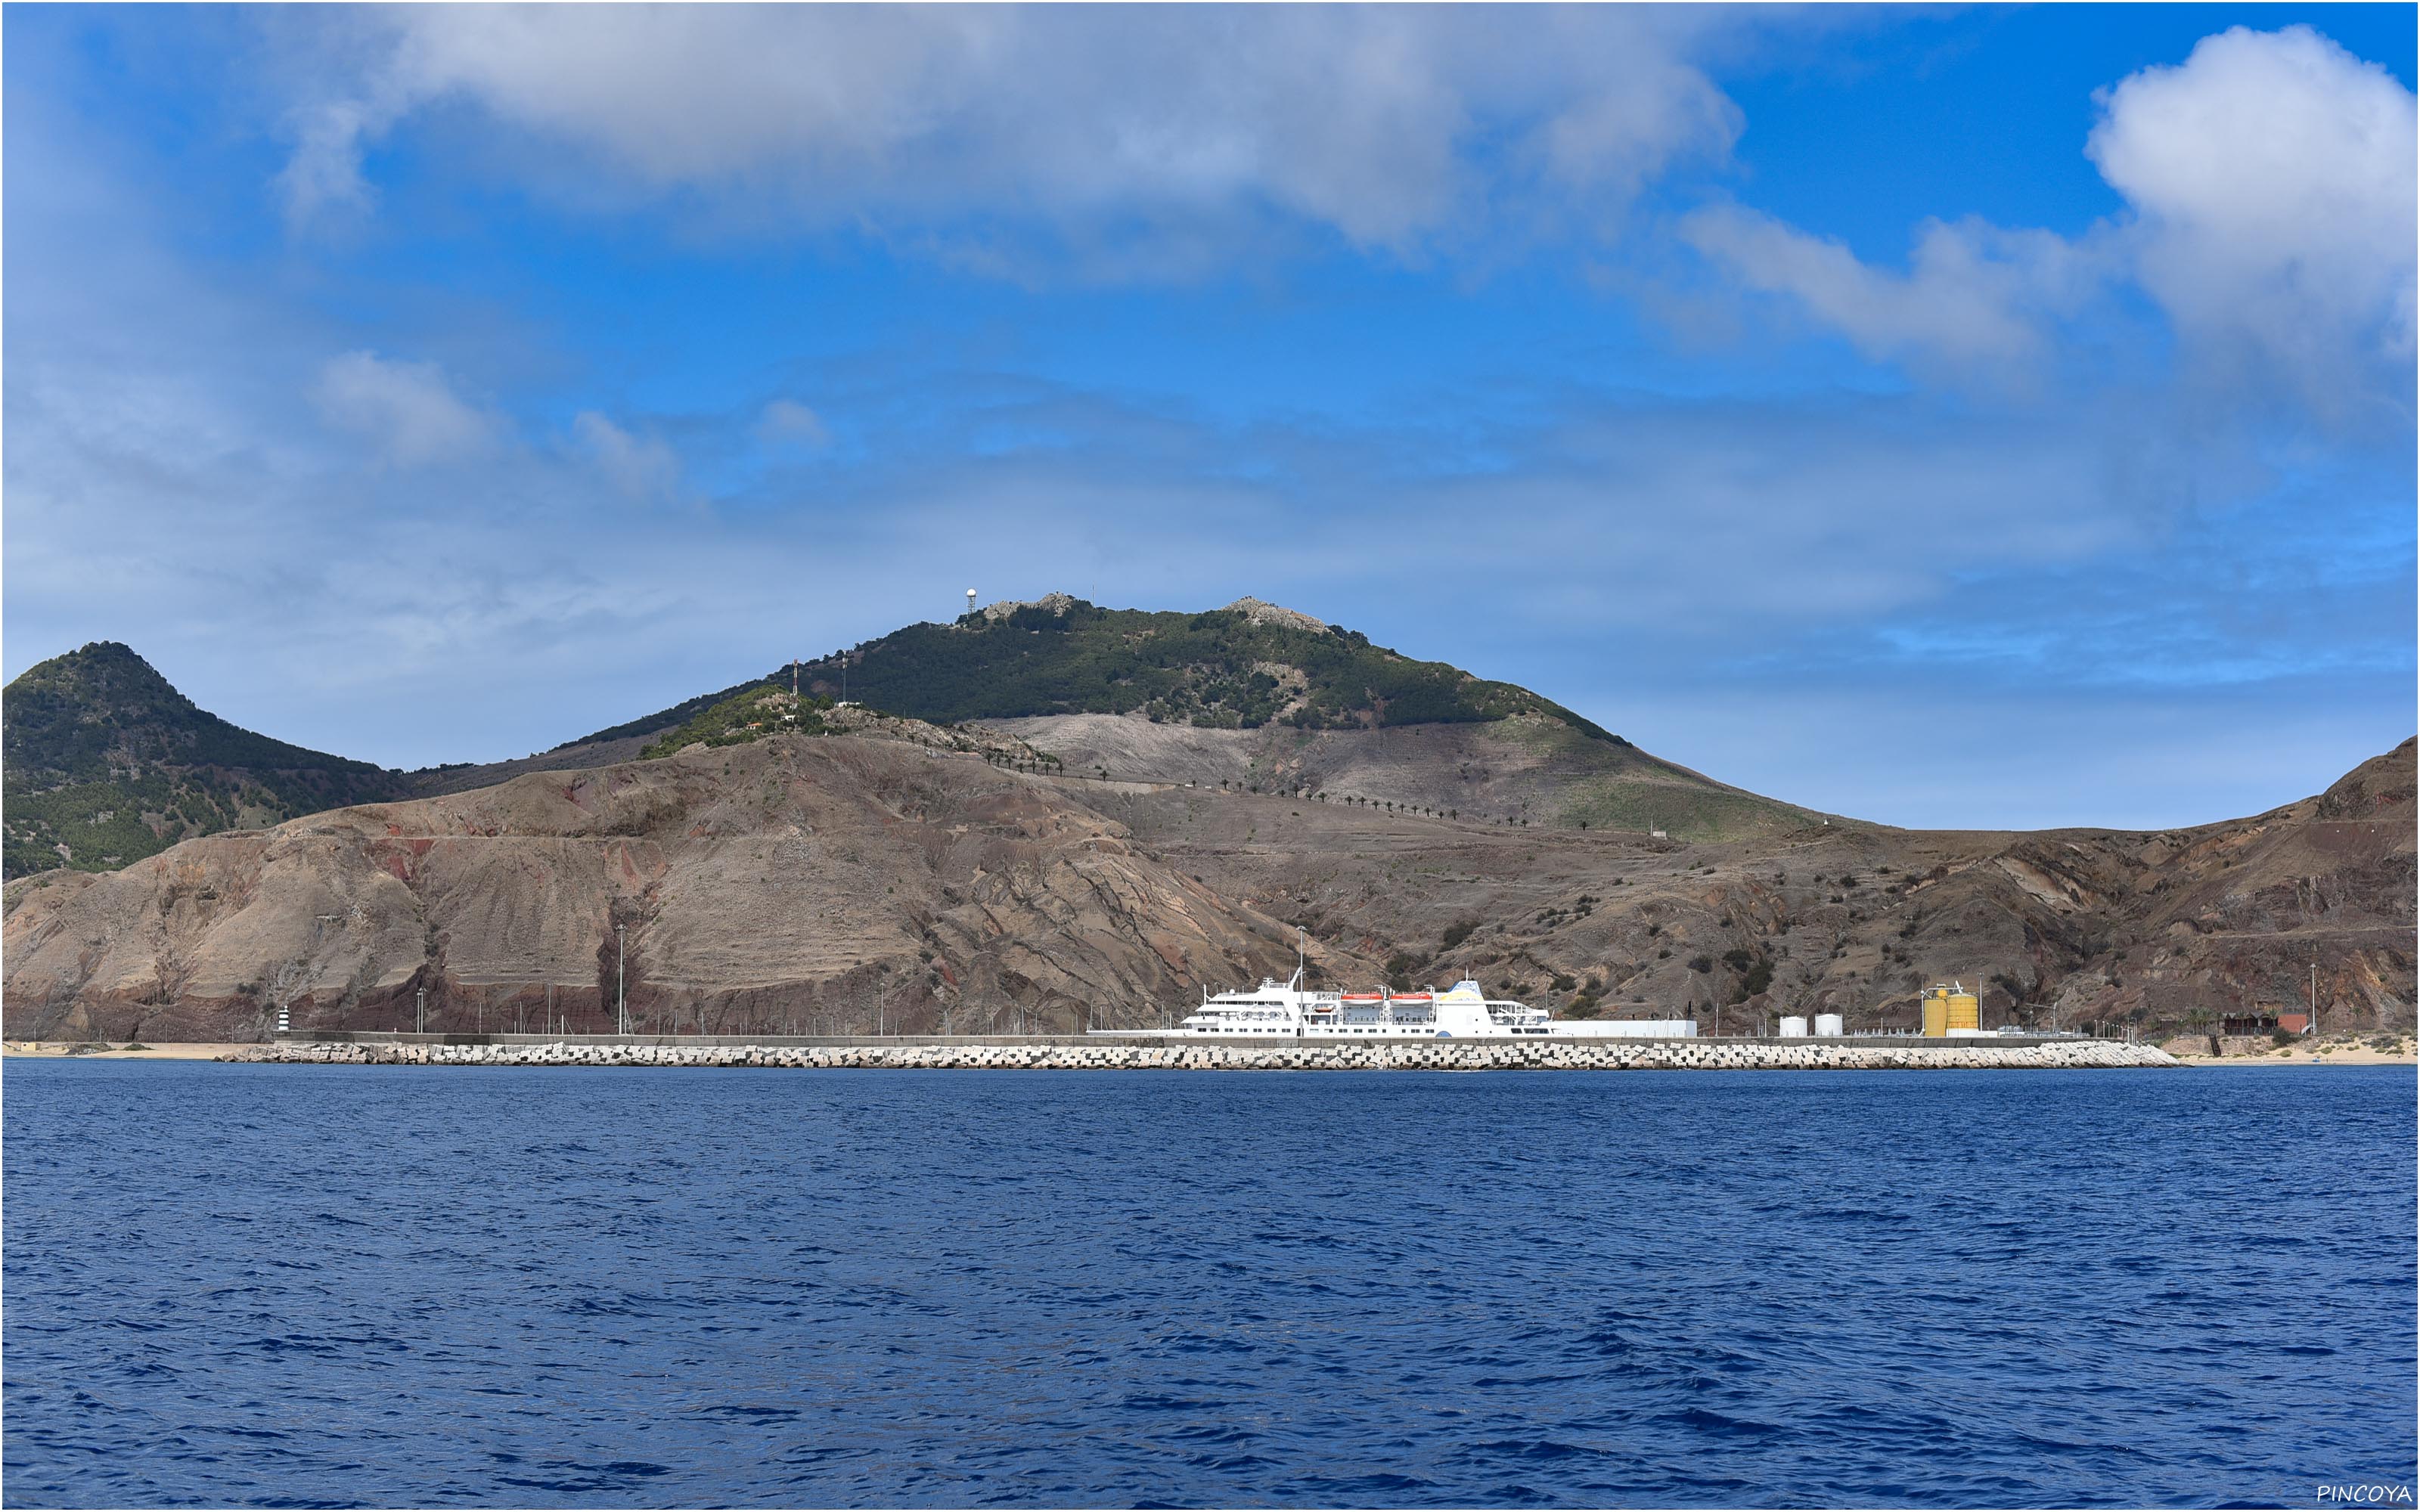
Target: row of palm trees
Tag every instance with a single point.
(1030, 762)
(1389, 805)
(1038, 763)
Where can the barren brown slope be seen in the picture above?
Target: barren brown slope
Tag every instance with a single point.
(773, 884)
(462, 777)
(2067, 927)
(1525, 768)
(791, 884)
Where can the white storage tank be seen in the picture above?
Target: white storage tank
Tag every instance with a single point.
(1827, 1027)
(1794, 1028)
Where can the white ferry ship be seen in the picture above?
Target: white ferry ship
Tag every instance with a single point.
(1282, 1011)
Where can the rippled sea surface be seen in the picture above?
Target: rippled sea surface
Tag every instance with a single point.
(281, 1285)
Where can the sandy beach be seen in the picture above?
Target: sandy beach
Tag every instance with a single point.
(56, 1049)
(2328, 1052)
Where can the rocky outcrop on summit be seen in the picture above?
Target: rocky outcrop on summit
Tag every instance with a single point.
(1054, 605)
(1259, 612)
(835, 882)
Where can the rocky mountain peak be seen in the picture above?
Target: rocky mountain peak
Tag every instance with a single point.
(102, 672)
(1261, 612)
(1056, 604)
(104, 762)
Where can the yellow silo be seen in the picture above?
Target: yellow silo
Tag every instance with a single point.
(1950, 1010)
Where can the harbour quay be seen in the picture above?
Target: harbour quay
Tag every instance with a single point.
(1077, 1052)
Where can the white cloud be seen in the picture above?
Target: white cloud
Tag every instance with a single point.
(788, 422)
(2272, 175)
(323, 177)
(2271, 211)
(406, 409)
(1653, 545)
(1183, 126)
(638, 467)
(1664, 112)
(1969, 294)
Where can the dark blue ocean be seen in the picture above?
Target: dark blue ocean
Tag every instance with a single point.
(279, 1286)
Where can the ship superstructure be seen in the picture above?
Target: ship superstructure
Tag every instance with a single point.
(1284, 1011)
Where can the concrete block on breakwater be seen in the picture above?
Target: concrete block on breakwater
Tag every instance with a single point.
(1666, 1055)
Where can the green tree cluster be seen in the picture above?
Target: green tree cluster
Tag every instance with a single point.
(104, 762)
(1212, 669)
(746, 716)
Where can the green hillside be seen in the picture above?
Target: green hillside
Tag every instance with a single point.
(1230, 669)
(102, 762)
(753, 712)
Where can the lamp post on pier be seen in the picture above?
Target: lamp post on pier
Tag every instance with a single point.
(621, 1000)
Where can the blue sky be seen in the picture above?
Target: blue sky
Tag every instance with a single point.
(1951, 417)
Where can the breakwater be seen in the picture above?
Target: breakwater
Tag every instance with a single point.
(1664, 1055)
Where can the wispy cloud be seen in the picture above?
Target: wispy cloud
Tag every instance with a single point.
(1140, 135)
(1753, 572)
(407, 411)
(642, 468)
(788, 422)
(1974, 297)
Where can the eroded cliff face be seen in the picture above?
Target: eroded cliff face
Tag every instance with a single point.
(2066, 927)
(824, 884)
(790, 884)
(1526, 769)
